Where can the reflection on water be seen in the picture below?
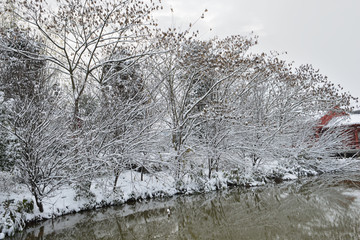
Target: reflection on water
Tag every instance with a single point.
(326, 207)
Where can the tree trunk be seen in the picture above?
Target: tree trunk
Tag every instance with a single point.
(210, 162)
(217, 164)
(177, 144)
(117, 173)
(77, 120)
(38, 201)
(142, 173)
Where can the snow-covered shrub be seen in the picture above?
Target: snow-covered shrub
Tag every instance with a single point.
(13, 217)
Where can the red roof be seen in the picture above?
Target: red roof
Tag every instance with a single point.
(337, 112)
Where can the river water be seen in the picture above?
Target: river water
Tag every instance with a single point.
(324, 207)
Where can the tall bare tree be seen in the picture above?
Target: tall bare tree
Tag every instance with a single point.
(77, 35)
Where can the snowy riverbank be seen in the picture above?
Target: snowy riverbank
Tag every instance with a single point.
(17, 204)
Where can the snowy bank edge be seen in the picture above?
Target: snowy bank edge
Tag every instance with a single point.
(131, 189)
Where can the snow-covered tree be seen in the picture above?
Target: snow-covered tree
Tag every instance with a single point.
(190, 74)
(211, 61)
(276, 116)
(124, 116)
(81, 39)
(43, 161)
(79, 34)
(21, 78)
(33, 123)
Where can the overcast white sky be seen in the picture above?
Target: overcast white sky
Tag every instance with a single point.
(324, 33)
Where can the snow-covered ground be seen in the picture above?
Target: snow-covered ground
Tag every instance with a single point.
(15, 209)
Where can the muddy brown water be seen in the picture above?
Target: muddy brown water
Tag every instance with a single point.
(324, 207)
